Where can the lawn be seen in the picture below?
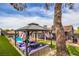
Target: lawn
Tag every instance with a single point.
(6, 49)
(72, 50)
(53, 46)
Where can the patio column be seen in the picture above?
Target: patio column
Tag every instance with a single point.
(15, 37)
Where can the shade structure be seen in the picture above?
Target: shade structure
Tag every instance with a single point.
(33, 27)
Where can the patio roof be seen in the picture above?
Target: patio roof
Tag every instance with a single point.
(33, 27)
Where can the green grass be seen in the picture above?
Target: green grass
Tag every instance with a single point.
(6, 49)
(73, 50)
(53, 46)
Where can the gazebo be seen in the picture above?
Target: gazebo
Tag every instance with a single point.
(32, 27)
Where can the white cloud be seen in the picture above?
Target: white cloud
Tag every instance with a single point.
(16, 21)
(20, 21)
(71, 18)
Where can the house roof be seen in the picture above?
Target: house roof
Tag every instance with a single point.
(68, 28)
(33, 27)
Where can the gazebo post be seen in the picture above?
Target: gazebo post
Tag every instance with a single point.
(36, 36)
(44, 36)
(27, 43)
(32, 36)
(15, 37)
(51, 37)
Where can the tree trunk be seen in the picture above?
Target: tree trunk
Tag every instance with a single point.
(59, 31)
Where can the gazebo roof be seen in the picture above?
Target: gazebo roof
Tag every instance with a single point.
(33, 27)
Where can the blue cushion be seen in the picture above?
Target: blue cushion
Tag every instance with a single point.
(19, 40)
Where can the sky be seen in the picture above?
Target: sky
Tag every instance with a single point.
(36, 13)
